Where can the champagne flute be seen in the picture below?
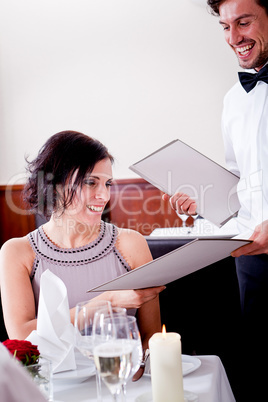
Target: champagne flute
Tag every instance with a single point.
(137, 348)
(83, 323)
(113, 350)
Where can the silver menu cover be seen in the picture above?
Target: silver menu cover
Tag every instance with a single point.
(179, 168)
(186, 259)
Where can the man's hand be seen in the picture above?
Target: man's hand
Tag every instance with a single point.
(259, 244)
(181, 203)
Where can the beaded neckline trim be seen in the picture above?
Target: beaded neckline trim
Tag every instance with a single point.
(74, 252)
(57, 249)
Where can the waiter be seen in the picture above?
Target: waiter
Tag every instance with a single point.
(245, 134)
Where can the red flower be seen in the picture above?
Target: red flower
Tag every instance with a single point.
(24, 351)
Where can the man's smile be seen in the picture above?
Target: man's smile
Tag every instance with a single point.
(244, 50)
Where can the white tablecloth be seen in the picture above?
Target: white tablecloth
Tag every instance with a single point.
(209, 382)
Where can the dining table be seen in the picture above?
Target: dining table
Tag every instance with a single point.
(206, 382)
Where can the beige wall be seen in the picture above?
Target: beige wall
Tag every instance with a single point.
(135, 74)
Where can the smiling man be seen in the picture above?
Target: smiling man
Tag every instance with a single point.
(245, 25)
(245, 134)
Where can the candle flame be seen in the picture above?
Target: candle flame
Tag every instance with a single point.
(164, 332)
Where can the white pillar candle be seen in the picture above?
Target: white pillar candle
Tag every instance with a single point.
(166, 367)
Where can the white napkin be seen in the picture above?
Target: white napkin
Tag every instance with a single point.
(54, 335)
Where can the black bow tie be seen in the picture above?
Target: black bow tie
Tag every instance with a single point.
(248, 80)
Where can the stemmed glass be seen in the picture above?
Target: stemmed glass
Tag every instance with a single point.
(195, 216)
(113, 349)
(83, 323)
(184, 218)
(191, 228)
(137, 348)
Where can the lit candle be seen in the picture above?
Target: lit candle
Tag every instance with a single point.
(166, 367)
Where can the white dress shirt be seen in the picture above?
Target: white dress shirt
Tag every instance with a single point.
(245, 135)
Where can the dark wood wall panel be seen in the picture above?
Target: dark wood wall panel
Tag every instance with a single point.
(15, 221)
(134, 204)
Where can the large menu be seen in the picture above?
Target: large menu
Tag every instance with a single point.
(177, 167)
(185, 260)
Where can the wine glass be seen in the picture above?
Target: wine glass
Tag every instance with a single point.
(112, 351)
(195, 216)
(184, 218)
(137, 348)
(83, 323)
(100, 331)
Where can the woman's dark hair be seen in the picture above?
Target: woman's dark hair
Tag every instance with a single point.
(215, 5)
(66, 158)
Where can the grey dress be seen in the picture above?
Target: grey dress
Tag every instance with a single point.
(81, 268)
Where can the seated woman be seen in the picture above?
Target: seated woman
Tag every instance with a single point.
(70, 183)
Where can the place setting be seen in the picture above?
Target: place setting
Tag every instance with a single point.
(101, 357)
(110, 338)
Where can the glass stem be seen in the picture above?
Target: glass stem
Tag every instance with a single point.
(116, 397)
(98, 386)
(119, 395)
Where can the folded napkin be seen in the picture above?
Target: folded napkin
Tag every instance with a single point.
(54, 335)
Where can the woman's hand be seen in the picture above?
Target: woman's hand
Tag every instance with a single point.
(181, 203)
(132, 298)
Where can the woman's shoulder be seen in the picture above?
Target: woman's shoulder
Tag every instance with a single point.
(16, 254)
(134, 247)
(17, 247)
(15, 242)
(130, 234)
